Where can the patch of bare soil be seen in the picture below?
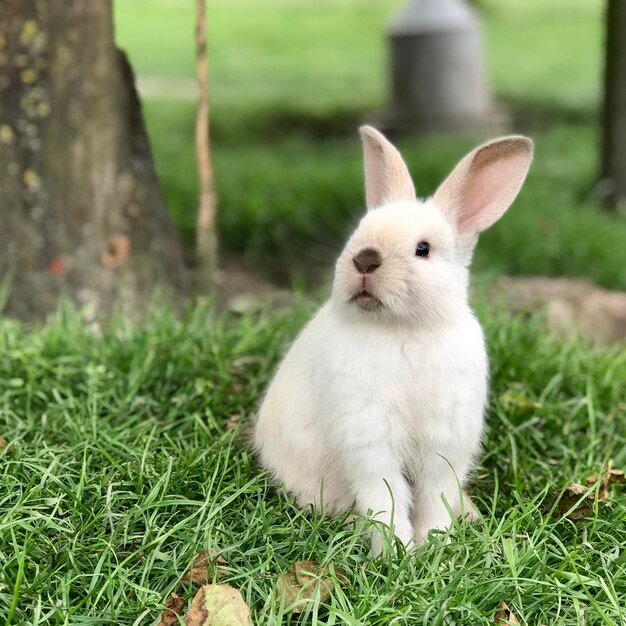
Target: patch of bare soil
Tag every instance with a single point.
(240, 291)
(574, 308)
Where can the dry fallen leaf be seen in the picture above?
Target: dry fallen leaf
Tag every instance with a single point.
(603, 490)
(617, 476)
(218, 605)
(608, 477)
(571, 498)
(582, 506)
(175, 606)
(504, 615)
(298, 583)
(198, 574)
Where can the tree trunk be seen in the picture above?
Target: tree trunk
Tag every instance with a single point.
(614, 123)
(81, 211)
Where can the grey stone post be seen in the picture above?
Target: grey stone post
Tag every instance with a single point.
(438, 79)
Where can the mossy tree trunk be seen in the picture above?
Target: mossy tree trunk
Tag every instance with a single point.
(614, 122)
(81, 211)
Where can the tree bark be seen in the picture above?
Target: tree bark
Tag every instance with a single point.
(614, 122)
(82, 215)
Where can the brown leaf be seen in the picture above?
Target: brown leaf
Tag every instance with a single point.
(218, 605)
(3, 443)
(117, 251)
(603, 490)
(175, 605)
(504, 615)
(572, 498)
(597, 489)
(617, 476)
(296, 585)
(608, 477)
(198, 574)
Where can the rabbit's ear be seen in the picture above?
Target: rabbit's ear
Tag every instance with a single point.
(484, 184)
(387, 178)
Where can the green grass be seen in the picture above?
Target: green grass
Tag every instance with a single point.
(120, 469)
(291, 203)
(291, 81)
(266, 53)
(331, 54)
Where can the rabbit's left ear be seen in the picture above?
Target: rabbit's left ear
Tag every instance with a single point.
(484, 184)
(387, 178)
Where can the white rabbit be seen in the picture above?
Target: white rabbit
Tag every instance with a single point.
(380, 400)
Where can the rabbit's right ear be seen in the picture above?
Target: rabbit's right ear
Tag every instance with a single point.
(387, 178)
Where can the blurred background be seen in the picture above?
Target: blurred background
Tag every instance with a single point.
(291, 80)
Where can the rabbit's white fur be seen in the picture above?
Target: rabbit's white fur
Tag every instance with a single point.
(380, 400)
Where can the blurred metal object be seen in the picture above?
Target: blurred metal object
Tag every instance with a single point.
(437, 69)
(613, 176)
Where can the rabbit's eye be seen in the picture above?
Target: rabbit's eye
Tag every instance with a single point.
(423, 249)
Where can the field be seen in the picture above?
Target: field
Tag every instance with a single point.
(123, 451)
(121, 468)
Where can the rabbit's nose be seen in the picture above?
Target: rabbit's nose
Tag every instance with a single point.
(367, 261)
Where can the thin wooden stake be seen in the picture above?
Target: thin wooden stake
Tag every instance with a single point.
(206, 238)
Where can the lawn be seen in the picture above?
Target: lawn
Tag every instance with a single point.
(120, 468)
(121, 460)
